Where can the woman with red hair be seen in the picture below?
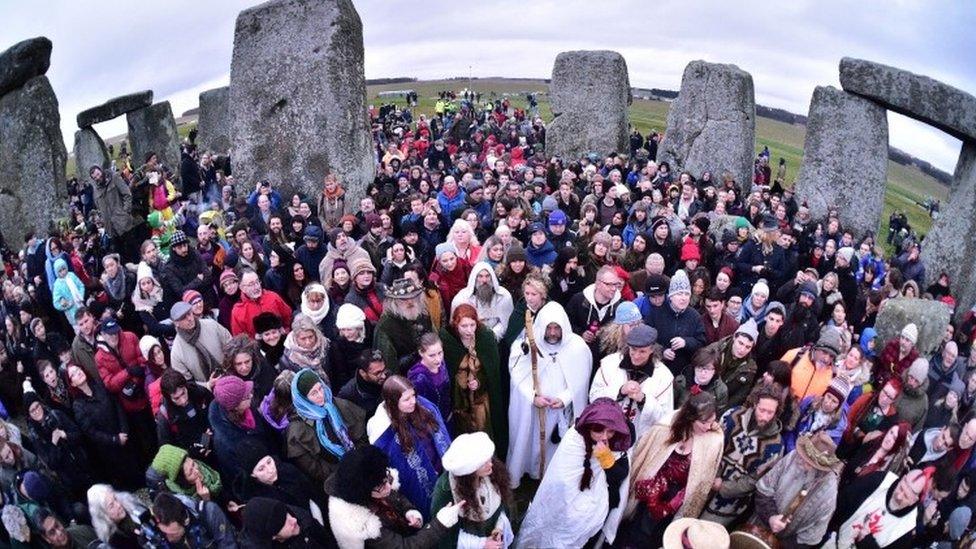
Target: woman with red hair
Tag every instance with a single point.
(870, 416)
(882, 454)
(471, 354)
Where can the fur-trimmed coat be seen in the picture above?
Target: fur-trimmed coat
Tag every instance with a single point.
(653, 449)
(357, 527)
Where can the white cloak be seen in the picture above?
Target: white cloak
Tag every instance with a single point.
(564, 373)
(560, 515)
(494, 315)
(875, 508)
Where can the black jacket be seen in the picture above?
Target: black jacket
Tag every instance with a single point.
(669, 324)
(180, 275)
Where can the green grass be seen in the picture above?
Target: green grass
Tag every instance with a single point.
(907, 186)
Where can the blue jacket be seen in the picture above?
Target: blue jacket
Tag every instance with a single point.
(543, 255)
(449, 205)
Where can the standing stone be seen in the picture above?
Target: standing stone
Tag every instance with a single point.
(115, 107)
(153, 129)
(589, 95)
(213, 125)
(929, 316)
(712, 123)
(23, 61)
(950, 246)
(298, 97)
(89, 151)
(920, 97)
(32, 160)
(845, 159)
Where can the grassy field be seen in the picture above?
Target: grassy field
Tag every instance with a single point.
(907, 186)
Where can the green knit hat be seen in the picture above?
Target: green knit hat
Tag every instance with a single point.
(169, 461)
(306, 380)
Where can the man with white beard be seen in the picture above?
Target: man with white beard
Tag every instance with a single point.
(563, 367)
(490, 299)
(403, 321)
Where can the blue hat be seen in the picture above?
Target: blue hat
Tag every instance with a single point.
(626, 313)
(313, 232)
(558, 217)
(536, 228)
(179, 310)
(110, 326)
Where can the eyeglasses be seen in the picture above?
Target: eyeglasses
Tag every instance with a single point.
(613, 284)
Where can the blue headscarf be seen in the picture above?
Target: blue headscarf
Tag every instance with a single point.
(309, 410)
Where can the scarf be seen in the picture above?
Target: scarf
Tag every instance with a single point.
(313, 359)
(207, 361)
(307, 310)
(319, 414)
(146, 303)
(115, 287)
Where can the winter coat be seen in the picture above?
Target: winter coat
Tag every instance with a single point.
(228, 436)
(114, 200)
(184, 357)
(311, 534)
(67, 459)
(242, 316)
(113, 367)
(303, 449)
(185, 426)
(182, 273)
(540, 256)
(670, 324)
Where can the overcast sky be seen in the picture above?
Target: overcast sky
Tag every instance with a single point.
(179, 48)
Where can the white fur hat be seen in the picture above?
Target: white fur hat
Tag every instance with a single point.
(468, 453)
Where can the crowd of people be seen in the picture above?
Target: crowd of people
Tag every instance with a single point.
(491, 348)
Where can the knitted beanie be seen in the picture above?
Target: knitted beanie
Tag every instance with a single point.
(350, 316)
(230, 391)
(840, 388)
(146, 344)
(910, 332)
(306, 381)
(169, 460)
(264, 517)
(919, 368)
(192, 296)
(679, 283)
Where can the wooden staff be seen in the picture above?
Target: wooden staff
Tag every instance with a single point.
(534, 354)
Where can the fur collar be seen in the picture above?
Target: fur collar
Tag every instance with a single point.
(352, 524)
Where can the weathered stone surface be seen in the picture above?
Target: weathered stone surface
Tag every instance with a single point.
(845, 158)
(153, 129)
(929, 316)
(920, 97)
(298, 97)
(32, 159)
(89, 151)
(721, 223)
(114, 108)
(950, 246)
(213, 126)
(589, 95)
(23, 61)
(712, 123)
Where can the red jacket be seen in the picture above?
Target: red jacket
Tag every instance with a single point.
(888, 365)
(114, 375)
(244, 311)
(451, 282)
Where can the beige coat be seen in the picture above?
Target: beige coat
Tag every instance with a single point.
(184, 359)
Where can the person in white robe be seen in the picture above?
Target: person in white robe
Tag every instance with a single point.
(564, 364)
(483, 292)
(584, 490)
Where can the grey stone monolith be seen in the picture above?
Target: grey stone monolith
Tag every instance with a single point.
(153, 129)
(32, 160)
(712, 123)
(298, 97)
(213, 124)
(589, 95)
(845, 159)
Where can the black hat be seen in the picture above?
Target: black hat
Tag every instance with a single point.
(702, 222)
(403, 288)
(179, 237)
(109, 326)
(360, 471)
(657, 285)
(658, 220)
(409, 227)
(266, 321)
(334, 234)
(30, 397)
(769, 223)
(249, 453)
(264, 517)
